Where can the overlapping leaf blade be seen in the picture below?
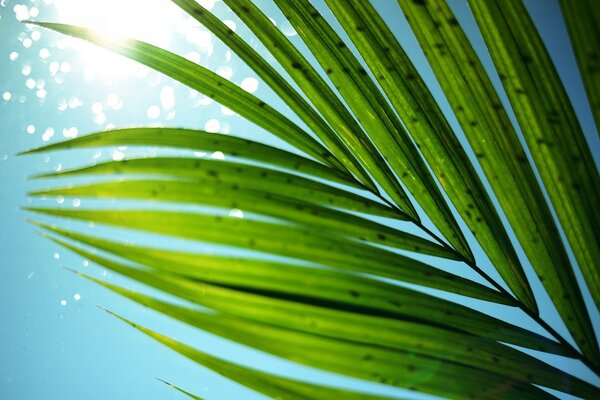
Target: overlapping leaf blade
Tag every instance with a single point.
(427, 125)
(396, 343)
(292, 345)
(321, 95)
(215, 193)
(335, 289)
(272, 385)
(237, 177)
(559, 149)
(295, 242)
(374, 113)
(201, 141)
(209, 83)
(279, 84)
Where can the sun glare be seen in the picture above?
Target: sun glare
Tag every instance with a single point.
(151, 21)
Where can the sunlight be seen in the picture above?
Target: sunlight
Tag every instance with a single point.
(151, 21)
(148, 20)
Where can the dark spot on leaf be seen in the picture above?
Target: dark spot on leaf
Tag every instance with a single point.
(453, 21)
(526, 58)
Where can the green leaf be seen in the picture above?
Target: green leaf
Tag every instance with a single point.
(238, 177)
(374, 113)
(321, 95)
(334, 289)
(209, 83)
(234, 195)
(583, 22)
(559, 149)
(200, 140)
(398, 344)
(280, 86)
(234, 185)
(295, 242)
(292, 345)
(270, 385)
(432, 133)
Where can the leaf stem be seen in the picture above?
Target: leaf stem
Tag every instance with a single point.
(534, 316)
(517, 303)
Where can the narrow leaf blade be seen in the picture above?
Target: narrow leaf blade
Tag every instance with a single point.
(209, 83)
(287, 241)
(558, 148)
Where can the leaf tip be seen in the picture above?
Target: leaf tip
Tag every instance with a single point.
(165, 382)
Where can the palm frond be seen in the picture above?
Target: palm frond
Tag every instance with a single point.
(352, 219)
